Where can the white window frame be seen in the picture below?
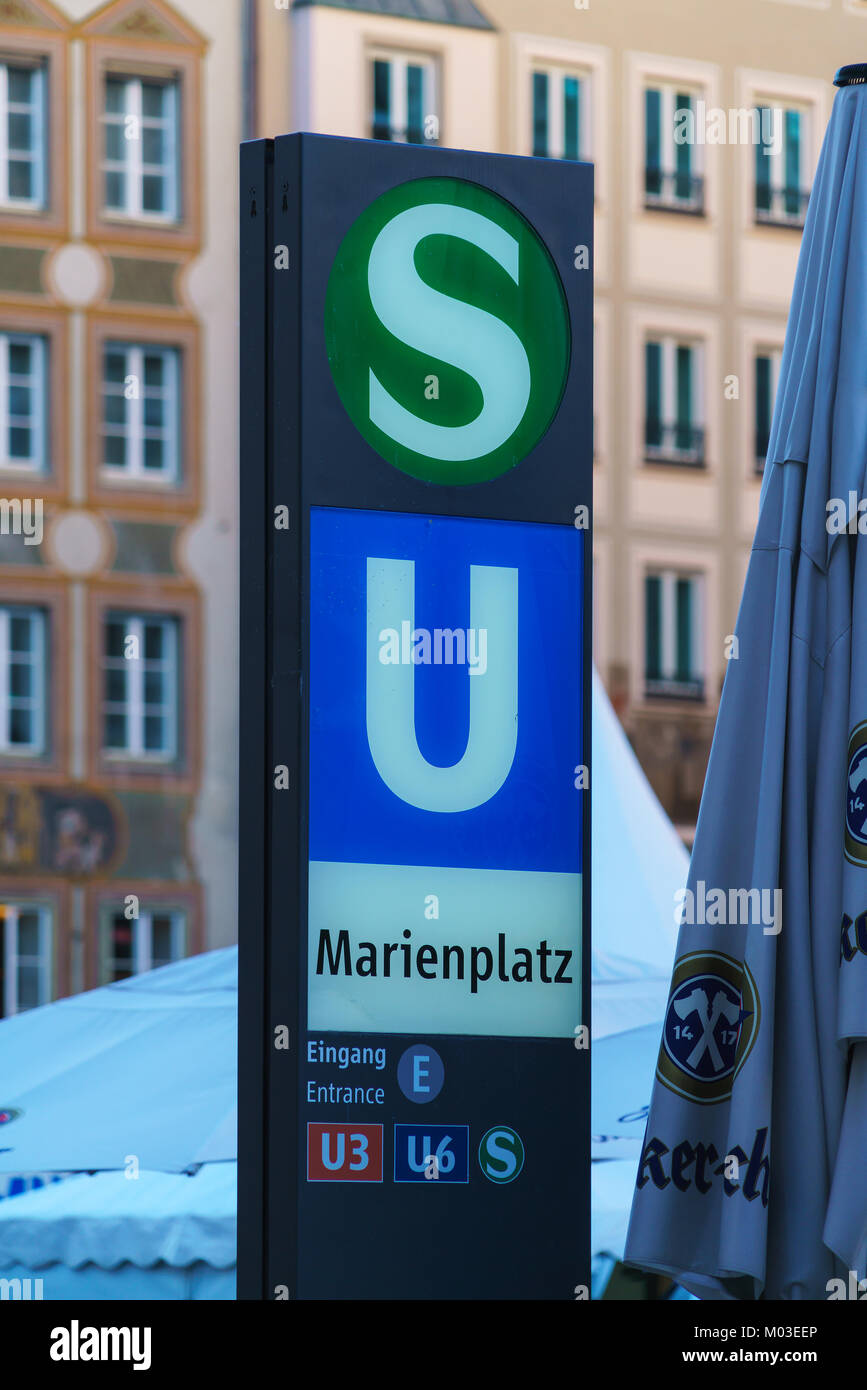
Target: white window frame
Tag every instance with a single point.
(38, 153)
(669, 343)
(37, 344)
(529, 52)
(134, 705)
(399, 60)
(777, 162)
(133, 166)
(142, 939)
(12, 957)
(669, 90)
(133, 431)
(757, 87)
(556, 74)
(668, 624)
(38, 663)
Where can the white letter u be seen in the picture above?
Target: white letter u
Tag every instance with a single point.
(493, 732)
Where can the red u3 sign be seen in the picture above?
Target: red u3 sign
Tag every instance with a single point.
(344, 1153)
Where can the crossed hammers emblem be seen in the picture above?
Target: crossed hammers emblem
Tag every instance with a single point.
(709, 1012)
(858, 774)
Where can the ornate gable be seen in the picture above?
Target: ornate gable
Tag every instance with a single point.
(32, 14)
(148, 21)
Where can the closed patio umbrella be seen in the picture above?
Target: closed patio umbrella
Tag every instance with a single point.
(753, 1174)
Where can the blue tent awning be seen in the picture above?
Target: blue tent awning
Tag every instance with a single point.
(109, 1220)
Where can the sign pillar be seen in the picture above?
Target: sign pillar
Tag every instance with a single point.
(416, 474)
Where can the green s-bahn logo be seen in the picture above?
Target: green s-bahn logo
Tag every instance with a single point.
(447, 331)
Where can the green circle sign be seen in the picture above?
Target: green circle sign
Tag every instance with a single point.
(501, 1154)
(447, 331)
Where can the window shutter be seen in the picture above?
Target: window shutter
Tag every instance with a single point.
(652, 393)
(540, 114)
(684, 630)
(652, 140)
(381, 99)
(684, 396)
(652, 627)
(414, 104)
(793, 162)
(683, 154)
(571, 118)
(763, 171)
(763, 405)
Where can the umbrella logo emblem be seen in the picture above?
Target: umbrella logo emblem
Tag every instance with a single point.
(7, 1114)
(856, 797)
(710, 1026)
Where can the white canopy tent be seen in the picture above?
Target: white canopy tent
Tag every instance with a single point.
(147, 1068)
(144, 1067)
(109, 1236)
(135, 1078)
(638, 865)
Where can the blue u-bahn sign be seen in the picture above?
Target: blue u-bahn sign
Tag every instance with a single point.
(445, 726)
(414, 894)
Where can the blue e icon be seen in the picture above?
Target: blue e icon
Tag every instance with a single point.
(420, 1073)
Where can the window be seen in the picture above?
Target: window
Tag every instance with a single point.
(23, 359)
(674, 410)
(673, 620)
(767, 372)
(140, 691)
(146, 942)
(561, 114)
(781, 194)
(140, 162)
(405, 99)
(22, 680)
(22, 136)
(25, 957)
(672, 179)
(141, 411)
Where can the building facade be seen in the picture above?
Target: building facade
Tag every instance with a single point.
(118, 134)
(119, 127)
(704, 125)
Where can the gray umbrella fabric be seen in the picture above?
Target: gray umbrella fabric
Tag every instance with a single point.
(753, 1174)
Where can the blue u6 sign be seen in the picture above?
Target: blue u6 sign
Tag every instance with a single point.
(445, 730)
(431, 1153)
